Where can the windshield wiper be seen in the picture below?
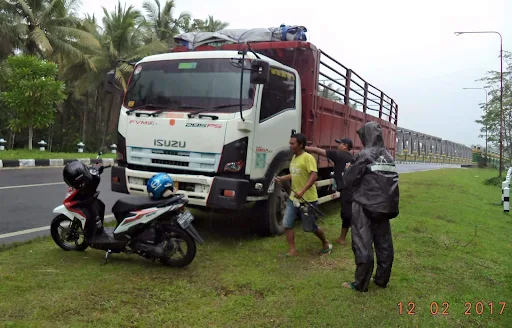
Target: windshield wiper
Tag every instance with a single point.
(180, 107)
(189, 107)
(145, 106)
(190, 115)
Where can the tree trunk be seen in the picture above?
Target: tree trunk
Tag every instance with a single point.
(50, 138)
(86, 109)
(30, 136)
(109, 114)
(12, 138)
(98, 117)
(63, 132)
(509, 143)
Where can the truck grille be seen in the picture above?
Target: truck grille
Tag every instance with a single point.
(171, 152)
(166, 162)
(173, 159)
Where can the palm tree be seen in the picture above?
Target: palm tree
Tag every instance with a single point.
(207, 25)
(329, 94)
(124, 36)
(162, 20)
(9, 39)
(213, 25)
(334, 96)
(122, 28)
(47, 28)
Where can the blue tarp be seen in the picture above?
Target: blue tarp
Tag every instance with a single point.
(193, 40)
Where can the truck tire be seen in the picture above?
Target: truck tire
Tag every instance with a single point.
(272, 210)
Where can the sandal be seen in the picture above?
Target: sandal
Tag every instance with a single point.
(349, 285)
(326, 251)
(352, 285)
(288, 255)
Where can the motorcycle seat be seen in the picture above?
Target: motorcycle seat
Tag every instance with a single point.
(140, 203)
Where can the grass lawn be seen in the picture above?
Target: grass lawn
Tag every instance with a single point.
(242, 281)
(36, 154)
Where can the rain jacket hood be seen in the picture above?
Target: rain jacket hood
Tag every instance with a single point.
(371, 135)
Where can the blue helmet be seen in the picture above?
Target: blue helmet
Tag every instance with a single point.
(160, 186)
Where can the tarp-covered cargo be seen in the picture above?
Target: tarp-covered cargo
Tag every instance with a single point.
(193, 40)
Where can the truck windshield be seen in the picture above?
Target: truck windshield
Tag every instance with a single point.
(193, 83)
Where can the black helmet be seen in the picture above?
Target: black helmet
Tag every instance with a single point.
(76, 174)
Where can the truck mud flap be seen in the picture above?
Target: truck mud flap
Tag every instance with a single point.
(118, 180)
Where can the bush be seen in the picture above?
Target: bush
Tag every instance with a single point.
(495, 181)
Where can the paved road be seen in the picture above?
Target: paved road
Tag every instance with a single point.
(28, 196)
(408, 168)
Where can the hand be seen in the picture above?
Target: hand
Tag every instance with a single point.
(348, 165)
(278, 180)
(299, 194)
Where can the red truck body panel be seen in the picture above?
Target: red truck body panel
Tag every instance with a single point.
(323, 119)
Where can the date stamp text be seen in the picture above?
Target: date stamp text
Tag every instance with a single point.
(443, 308)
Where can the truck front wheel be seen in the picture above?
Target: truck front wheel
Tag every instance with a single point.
(272, 211)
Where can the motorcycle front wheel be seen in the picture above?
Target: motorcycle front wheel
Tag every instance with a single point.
(174, 240)
(67, 234)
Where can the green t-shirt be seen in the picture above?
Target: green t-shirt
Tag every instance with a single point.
(301, 168)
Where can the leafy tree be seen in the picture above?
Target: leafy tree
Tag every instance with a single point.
(335, 96)
(9, 40)
(490, 118)
(329, 94)
(31, 93)
(45, 28)
(208, 25)
(84, 49)
(162, 20)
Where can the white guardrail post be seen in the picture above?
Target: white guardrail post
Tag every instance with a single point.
(505, 191)
(506, 203)
(505, 183)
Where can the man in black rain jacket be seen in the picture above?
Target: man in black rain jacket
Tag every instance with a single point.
(374, 180)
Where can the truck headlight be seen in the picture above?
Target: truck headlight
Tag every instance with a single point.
(233, 158)
(234, 166)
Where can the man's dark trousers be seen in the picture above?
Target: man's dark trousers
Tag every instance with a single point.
(365, 234)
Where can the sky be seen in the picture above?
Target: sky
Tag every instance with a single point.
(406, 48)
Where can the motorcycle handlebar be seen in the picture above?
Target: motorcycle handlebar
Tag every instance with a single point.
(101, 167)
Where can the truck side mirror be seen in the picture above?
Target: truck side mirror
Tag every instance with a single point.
(109, 85)
(260, 72)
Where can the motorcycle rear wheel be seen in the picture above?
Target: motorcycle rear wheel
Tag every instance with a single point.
(59, 236)
(175, 236)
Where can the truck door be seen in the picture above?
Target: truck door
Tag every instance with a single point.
(278, 117)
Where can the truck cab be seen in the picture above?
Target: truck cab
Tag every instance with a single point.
(211, 125)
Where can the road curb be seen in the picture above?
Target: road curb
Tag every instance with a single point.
(403, 162)
(55, 162)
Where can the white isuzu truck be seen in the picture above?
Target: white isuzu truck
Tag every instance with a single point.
(218, 119)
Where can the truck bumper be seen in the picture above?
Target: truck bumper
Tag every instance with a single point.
(204, 191)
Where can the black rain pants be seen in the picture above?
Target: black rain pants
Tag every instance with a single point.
(365, 234)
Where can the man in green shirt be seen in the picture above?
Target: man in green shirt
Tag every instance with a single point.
(303, 175)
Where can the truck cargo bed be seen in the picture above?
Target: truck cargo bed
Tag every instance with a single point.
(329, 92)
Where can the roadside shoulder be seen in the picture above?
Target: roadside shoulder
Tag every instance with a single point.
(20, 163)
